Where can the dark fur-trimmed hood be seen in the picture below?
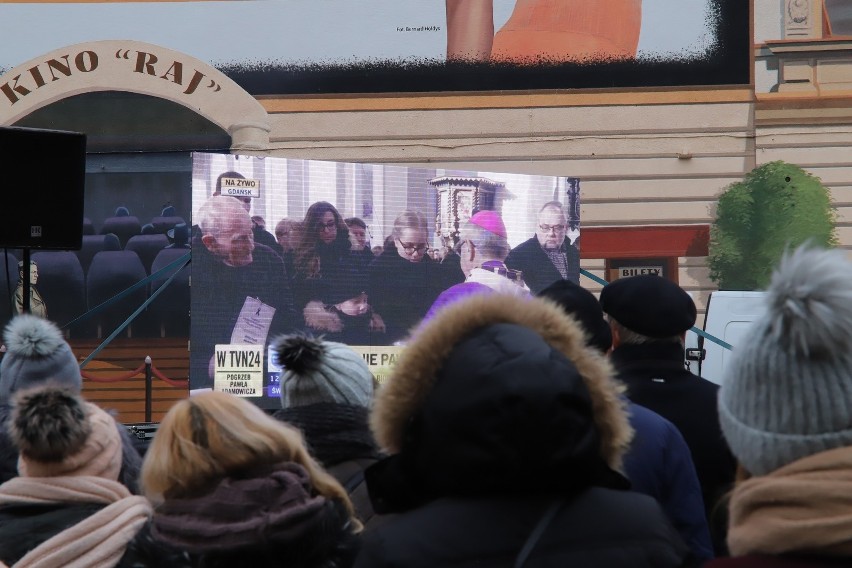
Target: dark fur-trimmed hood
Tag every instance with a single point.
(427, 349)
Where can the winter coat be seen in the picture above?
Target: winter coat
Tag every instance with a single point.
(656, 379)
(39, 517)
(659, 464)
(496, 412)
(339, 438)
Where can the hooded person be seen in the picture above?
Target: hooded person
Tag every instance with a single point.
(658, 462)
(784, 407)
(505, 434)
(66, 508)
(37, 353)
(327, 392)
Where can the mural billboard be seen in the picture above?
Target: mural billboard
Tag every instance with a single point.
(344, 46)
(358, 253)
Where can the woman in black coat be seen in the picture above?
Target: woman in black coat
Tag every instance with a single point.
(404, 280)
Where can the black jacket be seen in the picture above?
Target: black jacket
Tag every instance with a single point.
(338, 437)
(656, 379)
(537, 269)
(24, 527)
(402, 291)
(490, 421)
(219, 293)
(596, 529)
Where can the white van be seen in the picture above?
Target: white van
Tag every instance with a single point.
(729, 315)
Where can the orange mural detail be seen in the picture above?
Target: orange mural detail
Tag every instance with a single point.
(554, 30)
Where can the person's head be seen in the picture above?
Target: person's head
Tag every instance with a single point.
(245, 201)
(316, 371)
(33, 271)
(348, 296)
(357, 233)
(36, 353)
(786, 393)
(581, 305)
(286, 233)
(411, 235)
(482, 238)
(323, 224)
(647, 309)
(59, 434)
(496, 389)
(259, 222)
(179, 234)
(552, 225)
(226, 230)
(214, 435)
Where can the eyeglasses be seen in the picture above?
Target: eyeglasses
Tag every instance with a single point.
(411, 248)
(328, 226)
(548, 228)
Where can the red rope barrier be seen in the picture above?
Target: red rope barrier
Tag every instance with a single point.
(165, 379)
(156, 372)
(98, 379)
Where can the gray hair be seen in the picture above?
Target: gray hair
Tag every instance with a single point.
(489, 246)
(553, 205)
(215, 211)
(630, 337)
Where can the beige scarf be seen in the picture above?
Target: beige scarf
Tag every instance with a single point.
(96, 542)
(805, 506)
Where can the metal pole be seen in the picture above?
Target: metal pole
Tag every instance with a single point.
(148, 388)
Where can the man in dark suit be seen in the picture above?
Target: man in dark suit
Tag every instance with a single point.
(649, 316)
(549, 255)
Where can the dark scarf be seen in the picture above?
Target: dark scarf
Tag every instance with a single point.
(334, 432)
(273, 506)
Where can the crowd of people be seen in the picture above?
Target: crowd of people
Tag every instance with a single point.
(515, 430)
(526, 422)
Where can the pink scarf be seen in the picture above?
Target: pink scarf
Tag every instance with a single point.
(96, 542)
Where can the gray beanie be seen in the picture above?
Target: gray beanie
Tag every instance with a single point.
(36, 353)
(315, 371)
(787, 393)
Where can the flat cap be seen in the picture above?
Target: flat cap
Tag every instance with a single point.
(649, 305)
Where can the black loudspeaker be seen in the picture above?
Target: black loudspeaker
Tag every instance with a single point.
(42, 198)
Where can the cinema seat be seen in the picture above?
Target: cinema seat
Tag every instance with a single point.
(111, 273)
(61, 283)
(147, 247)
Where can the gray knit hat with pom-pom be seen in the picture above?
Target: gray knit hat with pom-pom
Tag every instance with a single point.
(316, 371)
(788, 391)
(36, 353)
